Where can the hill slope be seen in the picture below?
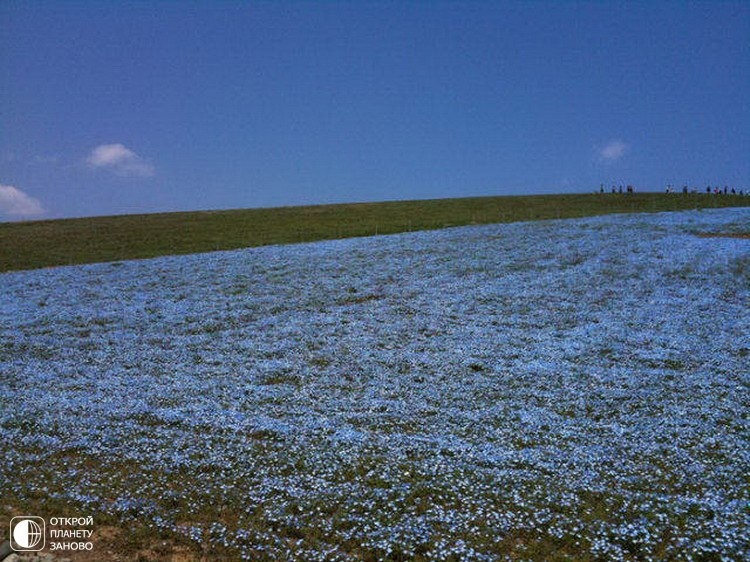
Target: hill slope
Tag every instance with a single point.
(30, 245)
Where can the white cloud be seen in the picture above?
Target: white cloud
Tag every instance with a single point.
(120, 160)
(46, 159)
(15, 203)
(613, 150)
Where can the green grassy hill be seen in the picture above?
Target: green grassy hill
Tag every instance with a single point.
(29, 245)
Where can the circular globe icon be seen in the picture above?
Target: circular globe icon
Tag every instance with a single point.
(27, 533)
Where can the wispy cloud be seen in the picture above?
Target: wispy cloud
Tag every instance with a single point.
(120, 160)
(613, 150)
(14, 203)
(46, 159)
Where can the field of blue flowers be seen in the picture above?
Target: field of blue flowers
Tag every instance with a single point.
(574, 389)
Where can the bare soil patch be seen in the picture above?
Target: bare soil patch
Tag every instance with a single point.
(745, 235)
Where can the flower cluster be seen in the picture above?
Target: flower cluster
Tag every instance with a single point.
(479, 393)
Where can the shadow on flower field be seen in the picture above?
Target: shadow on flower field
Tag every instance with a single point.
(556, 390)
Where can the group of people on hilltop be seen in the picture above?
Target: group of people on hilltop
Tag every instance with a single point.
(628, 189)
(731, 191)
(716, 190)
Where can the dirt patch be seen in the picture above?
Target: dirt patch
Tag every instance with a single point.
(745, 235)
(167, 552)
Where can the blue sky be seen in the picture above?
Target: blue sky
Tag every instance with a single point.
(114, 107)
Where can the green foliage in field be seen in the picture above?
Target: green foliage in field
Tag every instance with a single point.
(29, 245)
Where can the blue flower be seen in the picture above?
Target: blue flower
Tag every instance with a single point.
(449, 394)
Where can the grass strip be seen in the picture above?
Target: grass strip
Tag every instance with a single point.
(36, 244)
